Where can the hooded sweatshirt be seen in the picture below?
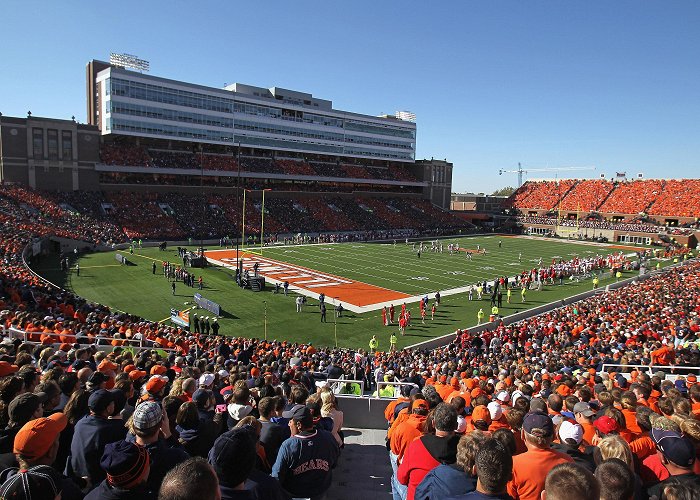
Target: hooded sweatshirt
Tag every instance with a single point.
(422, 456)
(445, 481)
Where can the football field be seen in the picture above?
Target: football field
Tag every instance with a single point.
(364, 277)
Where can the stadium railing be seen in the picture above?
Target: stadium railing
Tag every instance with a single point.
(653, 369)
(397, 389)
(336, 385)
(101, 342)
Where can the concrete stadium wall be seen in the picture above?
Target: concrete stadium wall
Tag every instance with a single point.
(364, 412)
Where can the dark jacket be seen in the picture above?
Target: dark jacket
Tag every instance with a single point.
(7, 438)
(585, 460)
(445, 481)
(305, 462)
(197, 442)
(164, 456)
(106, 492)
(90, 437)
(272, 436)
(266, 487)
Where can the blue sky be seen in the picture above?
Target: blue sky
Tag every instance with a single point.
(613, 84)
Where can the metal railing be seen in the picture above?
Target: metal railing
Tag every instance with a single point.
(397, 389)
(336, 385)
(139, 344)
(667, 369)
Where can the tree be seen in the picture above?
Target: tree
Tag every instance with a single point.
(506, 191)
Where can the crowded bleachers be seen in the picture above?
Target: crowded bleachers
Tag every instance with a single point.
(509, 394)
(632, 197)
(223, 160)
(140, 217)
(586, 195)
(541, 195)
(679, 198)
(669, 198)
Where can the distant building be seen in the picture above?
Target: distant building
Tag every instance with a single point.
(123, 102)
(46, 153)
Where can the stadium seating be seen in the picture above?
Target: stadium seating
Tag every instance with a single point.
(632, 197)
(678, 198)
(504, 372)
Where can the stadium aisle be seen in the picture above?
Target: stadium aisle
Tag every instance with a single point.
(363, 470)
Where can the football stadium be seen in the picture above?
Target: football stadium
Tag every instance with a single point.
(247, 292)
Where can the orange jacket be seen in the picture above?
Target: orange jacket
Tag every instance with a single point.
(530, 469)
(405, 433)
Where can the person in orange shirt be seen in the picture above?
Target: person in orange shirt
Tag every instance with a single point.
(401, 437)
(694, 394)
(584, 415)
(409, 429)
(663, 355)
(530, 468)
(463, 392)
(629, 405)
(443, 388)
(498, 419)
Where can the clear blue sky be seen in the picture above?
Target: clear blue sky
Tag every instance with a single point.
(615, 84)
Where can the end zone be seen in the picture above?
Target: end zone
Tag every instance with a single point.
(355, 296)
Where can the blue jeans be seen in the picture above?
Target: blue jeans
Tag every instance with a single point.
(398, 490)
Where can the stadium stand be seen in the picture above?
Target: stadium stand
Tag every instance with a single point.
(632, 197)
(592, 195)
(543, 375)
(680, 198)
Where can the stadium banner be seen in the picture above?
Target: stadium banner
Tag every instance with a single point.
(180, 318)
(207, 304)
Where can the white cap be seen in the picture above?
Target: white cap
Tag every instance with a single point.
(503, 397)
(461, 425)
(206, 379)
(495, 410)
(223, 373)
(567, 430)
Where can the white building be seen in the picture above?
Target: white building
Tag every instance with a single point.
(123, 102)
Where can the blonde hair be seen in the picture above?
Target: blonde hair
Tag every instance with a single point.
(176, 388)
(328, 400)
(613, 446)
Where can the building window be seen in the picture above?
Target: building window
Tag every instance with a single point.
(38, 143)
(67, 145)
(52, 143)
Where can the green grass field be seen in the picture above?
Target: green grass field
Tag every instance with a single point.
(136, 290)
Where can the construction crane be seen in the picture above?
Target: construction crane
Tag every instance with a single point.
(522, 171)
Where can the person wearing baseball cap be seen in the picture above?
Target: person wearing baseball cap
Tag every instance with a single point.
(37, 444)
(407, 431)
(21, 410)
(37, 483)
(305, 461)
(530, 468)
(481, 418)
(605, 425)
(151, 427)
(677, 454)
(430, 450)
(127, 466)
(92, 433)
(155, 388)
(571, 437)
(584, 417)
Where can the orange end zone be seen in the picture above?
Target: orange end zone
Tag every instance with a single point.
(303, 279)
